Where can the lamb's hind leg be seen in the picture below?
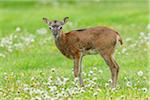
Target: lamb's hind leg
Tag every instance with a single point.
(114, 68)
(80, 72)
(78, 68)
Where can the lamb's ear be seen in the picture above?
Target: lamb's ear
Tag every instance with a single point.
(46, 21)
(65, 20)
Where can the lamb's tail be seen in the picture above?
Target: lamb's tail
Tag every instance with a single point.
(119, 38)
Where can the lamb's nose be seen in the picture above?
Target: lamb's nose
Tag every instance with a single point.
(55, 29)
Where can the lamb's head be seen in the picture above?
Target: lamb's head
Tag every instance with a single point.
(55, 26)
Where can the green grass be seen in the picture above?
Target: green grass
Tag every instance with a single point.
(129, 18)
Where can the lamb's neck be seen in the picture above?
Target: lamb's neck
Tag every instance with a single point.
(60, 40)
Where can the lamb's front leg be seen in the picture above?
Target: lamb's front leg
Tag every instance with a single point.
(78, 68)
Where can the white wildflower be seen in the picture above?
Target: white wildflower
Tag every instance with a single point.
(18, 29)
(50, 78)
(53, 69)
(94, 79)
(139, 89)
(31, 91)
(100, 71)
(113, 89)
(95, 94)
(25, 85)
(91, 72)
(106, 84)
(53, 88)
(76, 79)
(65, 80)
(84, 74)
(140, 73)
(38, 98)
(98, 89)
(144, 90)
(2, 55)
(9, 48)
(41, 31)
(49, 81)
(129, 84)
(128, 39)
(17, 98)
(33, 78)
(88, 85)
(142, 33)
(28, 39)
(95, 68)
(18, 46)
(124, 50)
(59, 95)
(5, 42)
(15, 36)
(148, 26)
(70, 91)
(59, 81)
(82, 90)
(122, 97)
(18, 81)
(37, 91)
(47, 97)
(110, 81)
(26, 89)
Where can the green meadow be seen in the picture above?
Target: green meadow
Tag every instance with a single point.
(31, 67)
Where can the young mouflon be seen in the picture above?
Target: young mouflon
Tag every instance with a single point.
(78, 43)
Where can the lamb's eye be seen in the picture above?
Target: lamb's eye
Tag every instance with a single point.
(60, 27)
(50, 27)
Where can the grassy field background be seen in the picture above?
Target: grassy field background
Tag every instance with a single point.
(28, 56)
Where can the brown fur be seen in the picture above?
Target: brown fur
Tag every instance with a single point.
(99, 38)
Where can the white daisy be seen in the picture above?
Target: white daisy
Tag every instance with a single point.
(140, 73)
(129, 84)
